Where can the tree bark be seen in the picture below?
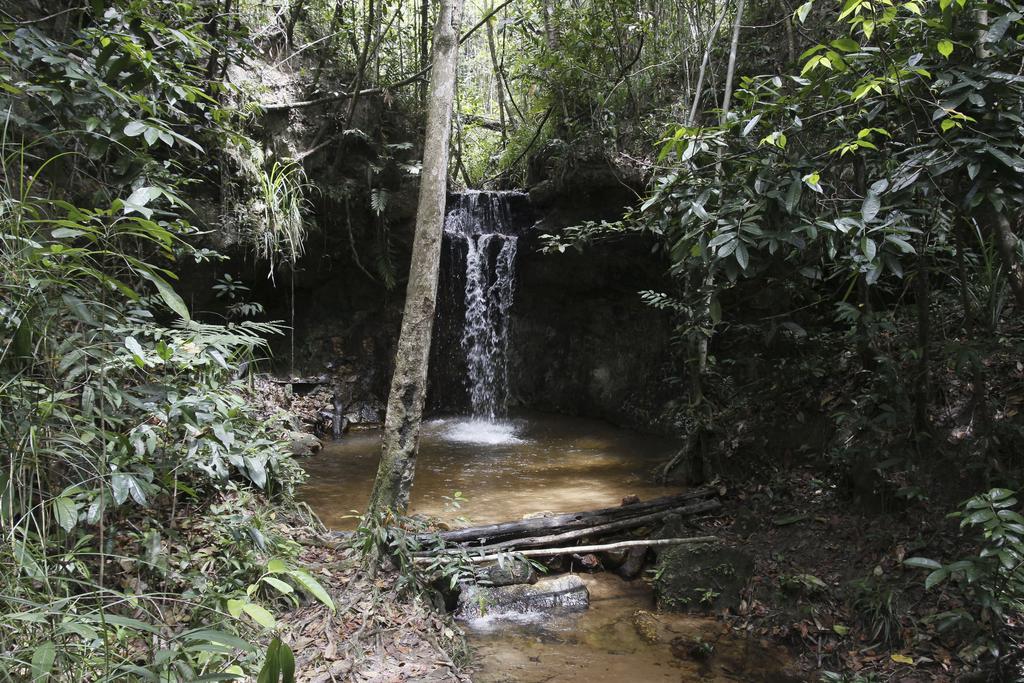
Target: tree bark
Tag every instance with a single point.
(498, 80)
(618, 545)
(424, 44)
(702, 72)
(730, 72)
(596, 530)
(408, 386)
(1007, 243)
(493, 533)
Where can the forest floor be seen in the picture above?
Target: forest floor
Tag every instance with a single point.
(380, 631)
(828, 582)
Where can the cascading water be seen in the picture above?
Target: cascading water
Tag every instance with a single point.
(485, 335)
(480, 223)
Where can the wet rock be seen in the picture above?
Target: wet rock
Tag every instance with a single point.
(701, 577)
(364, 413)
(613, 559)
(301, 443)
(634, 563)
(513, 572)
(558, 594)
(588, 562)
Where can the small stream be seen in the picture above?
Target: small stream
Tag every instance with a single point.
(547, 463)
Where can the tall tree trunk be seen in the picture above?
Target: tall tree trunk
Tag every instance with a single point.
(293, 18)
(408, 386)
(730, 72)
(424, 45)
(1007, 243)
(922, 389)
(498, 80)
(550, 29)
(698, 89)
(707, 286)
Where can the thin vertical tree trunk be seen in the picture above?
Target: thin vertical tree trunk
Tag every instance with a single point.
(922, 387)
(730, 72)
(707, 286)
(408, 385)
(424, 45)
(1007, 243)
(499, 82)
(698, 90)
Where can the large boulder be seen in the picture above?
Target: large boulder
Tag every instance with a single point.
(302, 443)
(703, 577)
(557, 594)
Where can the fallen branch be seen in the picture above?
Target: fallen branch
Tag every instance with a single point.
(492, 533)
(549, 552)
(597, 530)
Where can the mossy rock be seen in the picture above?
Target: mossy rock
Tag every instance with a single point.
(701, 578)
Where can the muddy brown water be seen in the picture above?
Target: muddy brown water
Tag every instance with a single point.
(545, 463)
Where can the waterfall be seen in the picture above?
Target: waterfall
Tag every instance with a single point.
(481, 223)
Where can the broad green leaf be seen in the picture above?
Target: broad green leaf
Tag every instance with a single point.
(66, 511)
(235, 607)
(945, 48)
(793, 196)
(218, 637)
(167, 293)
(845, 44)
(921, 563)
(742, 257)
(280, 585)
(870, 207)
(42, 662)
(277, 566)
(135, 128)
(312, 586)
(803, 10)
(260, 615)
(936, 577)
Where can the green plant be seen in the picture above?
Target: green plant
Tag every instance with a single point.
(993, 577)
(877, 607)
(279, 666)
(281, 231)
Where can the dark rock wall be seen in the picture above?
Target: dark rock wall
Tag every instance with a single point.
(584, 342)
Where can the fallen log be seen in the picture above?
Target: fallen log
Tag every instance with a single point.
(494, 533)
(576, 534)
(550, 552)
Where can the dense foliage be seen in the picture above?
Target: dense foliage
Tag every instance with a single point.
(137, 537)
(862, 206)
(834, 192)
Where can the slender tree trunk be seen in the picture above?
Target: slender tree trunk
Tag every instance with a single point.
(550, 29)
(730, 72)
(408, 386)
(362, 63)
(707, 286)
(1007, 243)
(698, 89)
(924, 296)
(424, 45)
(498, 81)
(293, 18)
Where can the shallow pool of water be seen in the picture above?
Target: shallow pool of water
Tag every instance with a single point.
(533, 464)
(502, 471)
(620, 639)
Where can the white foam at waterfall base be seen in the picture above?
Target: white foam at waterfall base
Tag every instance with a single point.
(486, 432)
